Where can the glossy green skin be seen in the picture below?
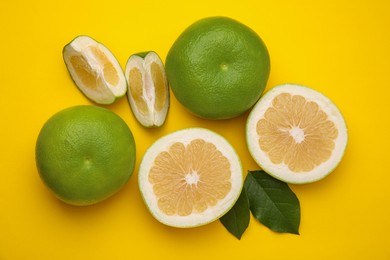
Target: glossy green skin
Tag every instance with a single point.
(218, 68)
(85, 154)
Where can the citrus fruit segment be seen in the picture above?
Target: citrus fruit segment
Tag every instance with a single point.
(148, 91)
(85, 154)
(95, 70)
(218, 68)
(296, 134)
(190, 178)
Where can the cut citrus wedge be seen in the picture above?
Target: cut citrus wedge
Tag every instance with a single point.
(148, 91)
(95, 70)
(296, 134)
(190, 178)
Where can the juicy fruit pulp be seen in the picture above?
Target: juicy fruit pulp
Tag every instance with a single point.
(218, 68)
(85, 154)
(148, 91)
(190, 178)
(190, 187)
(296, 134)
(301, 142)
(95, 70)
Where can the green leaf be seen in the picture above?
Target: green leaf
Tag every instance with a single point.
(236, 220)
(272, 202)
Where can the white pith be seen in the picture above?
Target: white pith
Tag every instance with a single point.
(212, 213)
(153, 117)
(105, 92)
(281, 171)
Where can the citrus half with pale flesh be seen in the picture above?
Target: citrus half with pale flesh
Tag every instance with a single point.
(296, 134)
(85, 154)
(218, 68)
(190, 178)
(148, 91)
(94, 70)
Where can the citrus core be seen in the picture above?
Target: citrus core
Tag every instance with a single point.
(85, 154)
(218, 68)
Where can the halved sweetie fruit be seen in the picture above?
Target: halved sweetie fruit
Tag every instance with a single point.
(95, 70)
(296, 134)
(190, 178)
(148, 91)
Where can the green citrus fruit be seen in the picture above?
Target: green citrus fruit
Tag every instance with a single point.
(190, 178)
(85, 154)
(218, 68)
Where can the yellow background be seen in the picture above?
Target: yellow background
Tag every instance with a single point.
(341, 48)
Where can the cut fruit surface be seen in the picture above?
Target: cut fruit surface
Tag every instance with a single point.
(296, 134)
(148, 91)
(95, 70)
(190, 178)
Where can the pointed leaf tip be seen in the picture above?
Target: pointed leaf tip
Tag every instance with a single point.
(236, 220)
(272, 202)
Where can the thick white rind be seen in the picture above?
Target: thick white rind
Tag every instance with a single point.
(105, 93)
(281, 171)
(153, 118)
(186, 136)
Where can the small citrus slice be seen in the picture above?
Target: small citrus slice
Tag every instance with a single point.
(148, 92)
(190, 178)
(95, 70)
(296, 134)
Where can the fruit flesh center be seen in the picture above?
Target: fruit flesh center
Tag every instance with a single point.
(159, 86)
(142, 94)
(88, 76)
(296, 132)
(136, 89)
(84, 71)
(192, 178)
(188, 179)
(109, 72)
